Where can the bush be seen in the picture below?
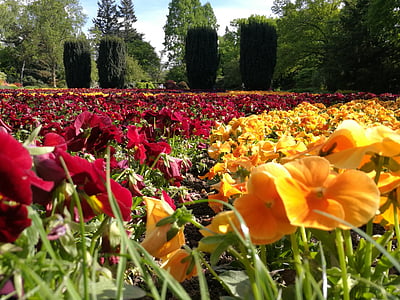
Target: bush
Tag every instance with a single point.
(77, 63)
(201, 56)
(258, 45)
(111, 62)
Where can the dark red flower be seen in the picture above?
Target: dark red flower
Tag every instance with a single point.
(173, 168)
(16, 176)
(90, 184)
(91, 132)
(13, 220)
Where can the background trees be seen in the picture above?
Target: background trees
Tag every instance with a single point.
(323, 45)
(258, 43)
(111, 62)
(33, 36)
(201, 57)
(106, 21)
(77, 63)
(182, 15)
(304, 28)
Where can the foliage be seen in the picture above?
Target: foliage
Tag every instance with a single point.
(146, 57)
(34, 31)
(258, 43)
(77, 63)
(127, 19)
(304, 28)
(201, 57)
(357, 59)
(182, 15)
(229, 49)
(134, 72)
(53, 23)
(106, 20)
(111, 62)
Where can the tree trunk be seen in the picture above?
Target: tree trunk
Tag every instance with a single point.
(21, 77)
(54, 76)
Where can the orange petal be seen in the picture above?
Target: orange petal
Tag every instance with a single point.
(261, 180)
(178, 265)
(156, 242)
(358, 194)
(156, 210)
(301, 203)
(266, 223)
(311, 171)
(349, 134)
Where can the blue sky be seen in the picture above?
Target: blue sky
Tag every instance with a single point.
(152, 14)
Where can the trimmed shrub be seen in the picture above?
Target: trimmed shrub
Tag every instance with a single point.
(258, 45)
(111, 62)
(201, 57)
(77, 63)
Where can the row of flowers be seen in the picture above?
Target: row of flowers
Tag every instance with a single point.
(280, 168)
(184, 114)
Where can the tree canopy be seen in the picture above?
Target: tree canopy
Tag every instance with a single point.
(182, 15)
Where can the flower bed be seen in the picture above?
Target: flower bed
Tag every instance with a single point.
(94, 199)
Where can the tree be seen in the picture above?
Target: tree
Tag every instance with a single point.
(258, 43)
(229, 49)
(182, 15)
(304, 28)
(111, 62)
(77, 63)
(54, 21)
(127, 19)
(134, 72)
(144, 53)
(201, 57)
(358, 58)
(383, 19)
(107, 17)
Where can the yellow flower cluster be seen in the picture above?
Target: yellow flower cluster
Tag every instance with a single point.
(249, 141)
(282, 168)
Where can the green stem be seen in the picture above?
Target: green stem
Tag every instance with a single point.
(342, 262)
(305, 240)
(396, 220)
(263, 254)
(210, 268)
(301, 272)
(97, 234)
(77, 202)
(296, 255)
(250, 271)
(348, 244)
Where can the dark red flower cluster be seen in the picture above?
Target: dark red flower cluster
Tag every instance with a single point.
(16, 180)
(89, 179)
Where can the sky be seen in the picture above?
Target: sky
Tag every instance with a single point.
(152, 15)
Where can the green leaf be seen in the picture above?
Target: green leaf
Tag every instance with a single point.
(30, 140)
(39, 150)
(238, 283)
(106, 289)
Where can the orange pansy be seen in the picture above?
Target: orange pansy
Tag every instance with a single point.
(387, 181)
(262, 208)
(391, 206)
(222, 223)
(346, 147)
(180, 265)
(155, 241)
(227, 187)
(352, 195)
(350, 143)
